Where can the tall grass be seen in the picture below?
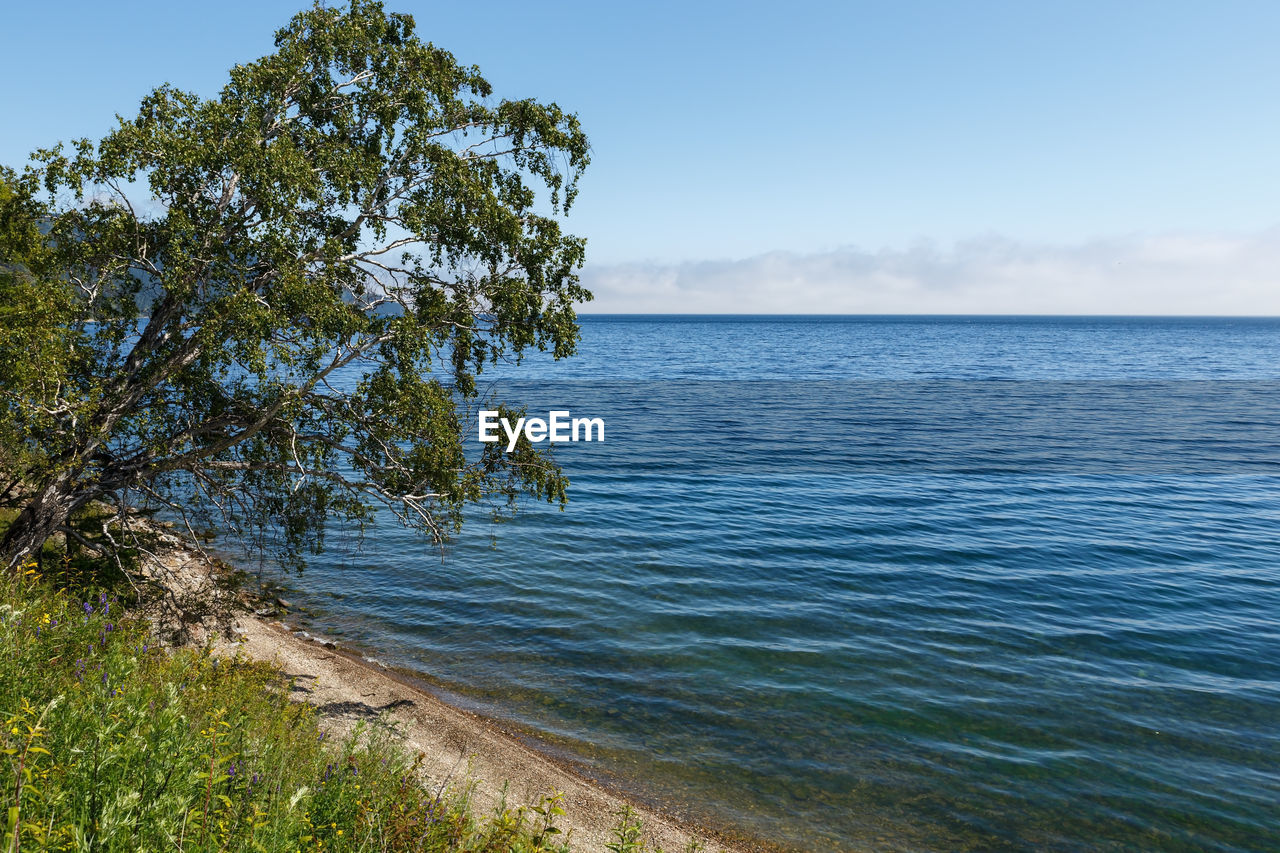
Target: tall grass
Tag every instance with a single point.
(112, 742)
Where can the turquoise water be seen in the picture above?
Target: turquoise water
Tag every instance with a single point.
(887, 583)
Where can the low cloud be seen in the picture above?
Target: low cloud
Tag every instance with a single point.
(1164, 274)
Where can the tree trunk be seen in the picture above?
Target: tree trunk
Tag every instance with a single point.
(47, 511)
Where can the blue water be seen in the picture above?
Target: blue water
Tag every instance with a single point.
(883, 583)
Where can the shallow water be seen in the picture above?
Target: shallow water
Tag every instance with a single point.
(885, 582)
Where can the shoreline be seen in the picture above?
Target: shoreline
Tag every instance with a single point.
(461, 747)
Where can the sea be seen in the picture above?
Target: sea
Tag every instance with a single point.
(878, 583)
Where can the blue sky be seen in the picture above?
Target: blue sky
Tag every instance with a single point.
(832, 146)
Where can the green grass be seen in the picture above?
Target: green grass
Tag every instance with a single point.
(112, 742)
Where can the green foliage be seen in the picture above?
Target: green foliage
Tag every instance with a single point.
(628, 836)
(627, 833)
(112, 743)
(272, 305)
(36, 335)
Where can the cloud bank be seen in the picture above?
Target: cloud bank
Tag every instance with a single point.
(1165, 274)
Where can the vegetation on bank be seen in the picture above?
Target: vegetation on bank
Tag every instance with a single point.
(112, 741)
(268, 308)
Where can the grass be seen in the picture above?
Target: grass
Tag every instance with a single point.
(111, 741)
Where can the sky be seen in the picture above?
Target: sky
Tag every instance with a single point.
(806, 157)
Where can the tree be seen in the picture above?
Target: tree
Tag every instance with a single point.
(288, 327)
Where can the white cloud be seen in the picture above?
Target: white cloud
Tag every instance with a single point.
(1161, 274)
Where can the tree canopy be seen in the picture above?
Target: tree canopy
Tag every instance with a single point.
(273, 305)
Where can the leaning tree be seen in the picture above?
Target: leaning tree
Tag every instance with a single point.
(273, 304)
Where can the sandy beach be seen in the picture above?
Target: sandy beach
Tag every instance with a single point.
(461, 748)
